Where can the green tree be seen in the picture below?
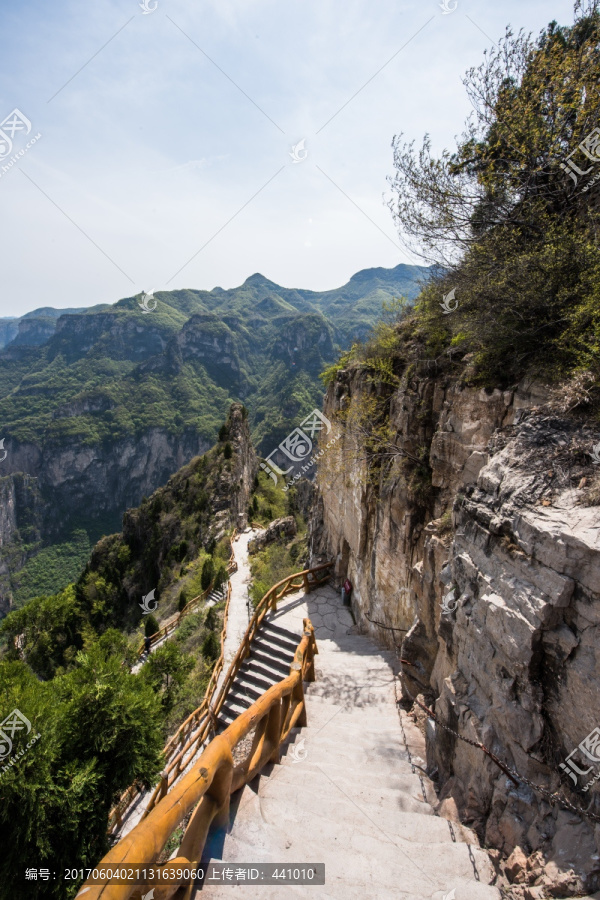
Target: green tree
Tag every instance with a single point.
(211, 647)
(182, 600)
(166, 670)
(99, 730)
(151, 625)
(207, 573)
(227, 451)
(48, 630)
(517, 238)
(220, 576)
(212, 619)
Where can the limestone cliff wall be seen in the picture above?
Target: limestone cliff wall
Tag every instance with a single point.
(484, 510)
(99, 480)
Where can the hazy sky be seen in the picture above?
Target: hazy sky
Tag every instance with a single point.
(167, 135)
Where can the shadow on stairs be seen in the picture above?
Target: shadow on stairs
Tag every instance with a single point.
(271, 654)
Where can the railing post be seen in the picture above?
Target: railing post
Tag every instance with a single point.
(298, 694)
(309, 673)
(311, 650)
(273, 733)
(164, 785)
(220, 793)
(306, 582)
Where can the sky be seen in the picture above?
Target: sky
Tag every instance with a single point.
(161, 139)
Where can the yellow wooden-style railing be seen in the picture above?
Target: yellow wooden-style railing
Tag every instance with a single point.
(185, 736)
(185, 743)
(213, 777)
(182, 748)
(232, 565)
(205, 790)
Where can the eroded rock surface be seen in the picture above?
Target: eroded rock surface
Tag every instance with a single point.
(486, 577)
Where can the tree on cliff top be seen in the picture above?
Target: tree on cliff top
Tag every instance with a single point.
(515, 226)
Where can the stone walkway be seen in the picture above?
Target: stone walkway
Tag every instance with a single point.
(346, 793)
(238, 618)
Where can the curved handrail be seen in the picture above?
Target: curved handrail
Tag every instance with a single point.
(267, 602)
(191, 734)
(205, 716)
(180, 740)
(207, 788)
(232, 565)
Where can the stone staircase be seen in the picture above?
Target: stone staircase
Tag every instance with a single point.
(216, 596)
(351, 790)
(270, 658)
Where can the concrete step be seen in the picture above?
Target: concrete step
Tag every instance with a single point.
(274, 639)
(347, 795)
(247, 689)
(269, 626)
(249, 676)
(263, 644)
(270, 662)
(353, 862)
(332, 797)
(254, 667)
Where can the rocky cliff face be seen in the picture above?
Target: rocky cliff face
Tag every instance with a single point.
(9, 328)
(99, 481)
(480, 549)
(35, 331)
(21, 514)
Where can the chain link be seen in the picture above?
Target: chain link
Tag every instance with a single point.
(554, 798)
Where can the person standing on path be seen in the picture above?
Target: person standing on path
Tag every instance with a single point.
(346, 592)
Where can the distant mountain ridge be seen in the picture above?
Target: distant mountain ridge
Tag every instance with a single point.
(33, 328)
(99, 406)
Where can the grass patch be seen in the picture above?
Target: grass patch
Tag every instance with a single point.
(276, 562)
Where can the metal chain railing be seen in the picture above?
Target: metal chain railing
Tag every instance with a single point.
(553, 797)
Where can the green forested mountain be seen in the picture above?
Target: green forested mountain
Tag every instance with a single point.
(113, 371)
(66, 660)
(99, 407)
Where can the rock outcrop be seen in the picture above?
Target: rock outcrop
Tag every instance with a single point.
(475, 554)
(285, 528)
